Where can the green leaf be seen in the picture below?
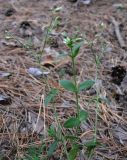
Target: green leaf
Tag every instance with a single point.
(91, 145)
(51, 95)
(83, 115)
(72, 122)
(71, 137)
(97, 59)
(68, 85)
(52, 148)
(52, 131)
(75, 50)
(34, 152)
(68, 41)
(74, 152)
(57, 9)
(86, 85)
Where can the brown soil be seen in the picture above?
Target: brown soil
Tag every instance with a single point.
(19, 114)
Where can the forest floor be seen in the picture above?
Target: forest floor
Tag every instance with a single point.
(24, 118)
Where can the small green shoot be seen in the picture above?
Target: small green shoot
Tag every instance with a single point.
(74, 152)
(75, 50)
(34, 152)
(51, 95)
(74, 44)
(54, 23)
(75, 122)
(52, 148)
(52, 131)
(90, 146)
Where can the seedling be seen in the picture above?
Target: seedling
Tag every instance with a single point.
(74, 45)
(54, 23)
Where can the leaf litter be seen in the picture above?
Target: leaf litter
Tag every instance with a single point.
(23, 116)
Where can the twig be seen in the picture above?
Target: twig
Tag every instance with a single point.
(44, 116)
(118, 34)
(39, 114)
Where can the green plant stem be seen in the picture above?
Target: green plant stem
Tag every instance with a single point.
(19, 41)
(45, 40)
(47, 34)
(60, 132)
(65, 148)
(96, 119)
(97, 101)
(76, 85)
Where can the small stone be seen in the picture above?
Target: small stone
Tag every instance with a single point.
(86, 2)
(4, 74)
(5, 100)
(36, 72)
(118, 5)
(108, 49)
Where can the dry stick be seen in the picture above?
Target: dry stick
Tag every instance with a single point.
(117, 31)
(39, 114)
(44, 116)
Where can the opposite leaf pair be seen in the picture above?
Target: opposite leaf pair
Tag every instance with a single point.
(68, 85)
